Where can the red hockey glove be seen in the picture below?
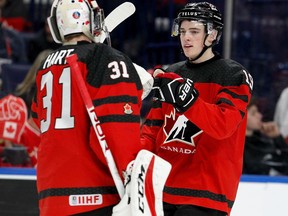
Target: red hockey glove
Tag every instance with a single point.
(172, 88)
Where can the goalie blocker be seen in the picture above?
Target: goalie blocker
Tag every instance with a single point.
(144, 190)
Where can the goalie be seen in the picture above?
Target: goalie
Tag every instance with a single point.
(73, 176)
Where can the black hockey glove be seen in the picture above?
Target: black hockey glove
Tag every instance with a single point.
(172, 88)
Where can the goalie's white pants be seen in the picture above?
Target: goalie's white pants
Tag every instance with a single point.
(143, 195)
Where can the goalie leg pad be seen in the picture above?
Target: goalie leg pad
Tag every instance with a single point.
(148, 178)
(123, 208)
(144, 193)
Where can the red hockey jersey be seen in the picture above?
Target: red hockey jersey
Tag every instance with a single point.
(72, 173)
(205, 144)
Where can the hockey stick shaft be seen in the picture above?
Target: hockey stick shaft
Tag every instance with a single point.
(73, 63)
(117, 16)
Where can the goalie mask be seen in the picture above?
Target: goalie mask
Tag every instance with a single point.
(203, 12)
(70, 17)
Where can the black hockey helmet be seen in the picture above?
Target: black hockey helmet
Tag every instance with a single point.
(203, 12)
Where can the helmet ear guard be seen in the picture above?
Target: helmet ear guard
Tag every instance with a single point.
(175, 29)
(215, 32)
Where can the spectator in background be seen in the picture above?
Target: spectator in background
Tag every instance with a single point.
(42, 41)
(13, 155)
(26, 88)
(281, 113)
(14, 13)
(21, 151)
(12, 46)
(265, 151)
(18, 140)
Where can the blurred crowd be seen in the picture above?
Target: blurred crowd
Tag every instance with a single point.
(23, 45)
(21, 40)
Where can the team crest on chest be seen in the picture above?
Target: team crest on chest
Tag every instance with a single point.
(179, 128)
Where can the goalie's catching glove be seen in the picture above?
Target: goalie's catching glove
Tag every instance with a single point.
(172, 88)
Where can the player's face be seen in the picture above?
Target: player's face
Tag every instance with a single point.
(254, 118)
(192, 35)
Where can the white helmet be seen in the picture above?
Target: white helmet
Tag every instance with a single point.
(75, 16)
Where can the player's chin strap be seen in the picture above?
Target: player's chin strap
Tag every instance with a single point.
(144, 189)
(206, 47)
(203, 50)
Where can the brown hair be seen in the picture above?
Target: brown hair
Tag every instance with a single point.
(29, 79)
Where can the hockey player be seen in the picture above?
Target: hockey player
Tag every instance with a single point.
(198, 120)
(73, 177)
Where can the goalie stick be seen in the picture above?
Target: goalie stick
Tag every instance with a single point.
(143, 203)
(73, 63)
(117, 16)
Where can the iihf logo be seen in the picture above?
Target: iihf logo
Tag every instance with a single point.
(85, 199)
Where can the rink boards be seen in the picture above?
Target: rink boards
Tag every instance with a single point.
(257, 195)
(18, 195)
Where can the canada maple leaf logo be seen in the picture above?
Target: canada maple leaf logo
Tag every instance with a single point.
(9, 130)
